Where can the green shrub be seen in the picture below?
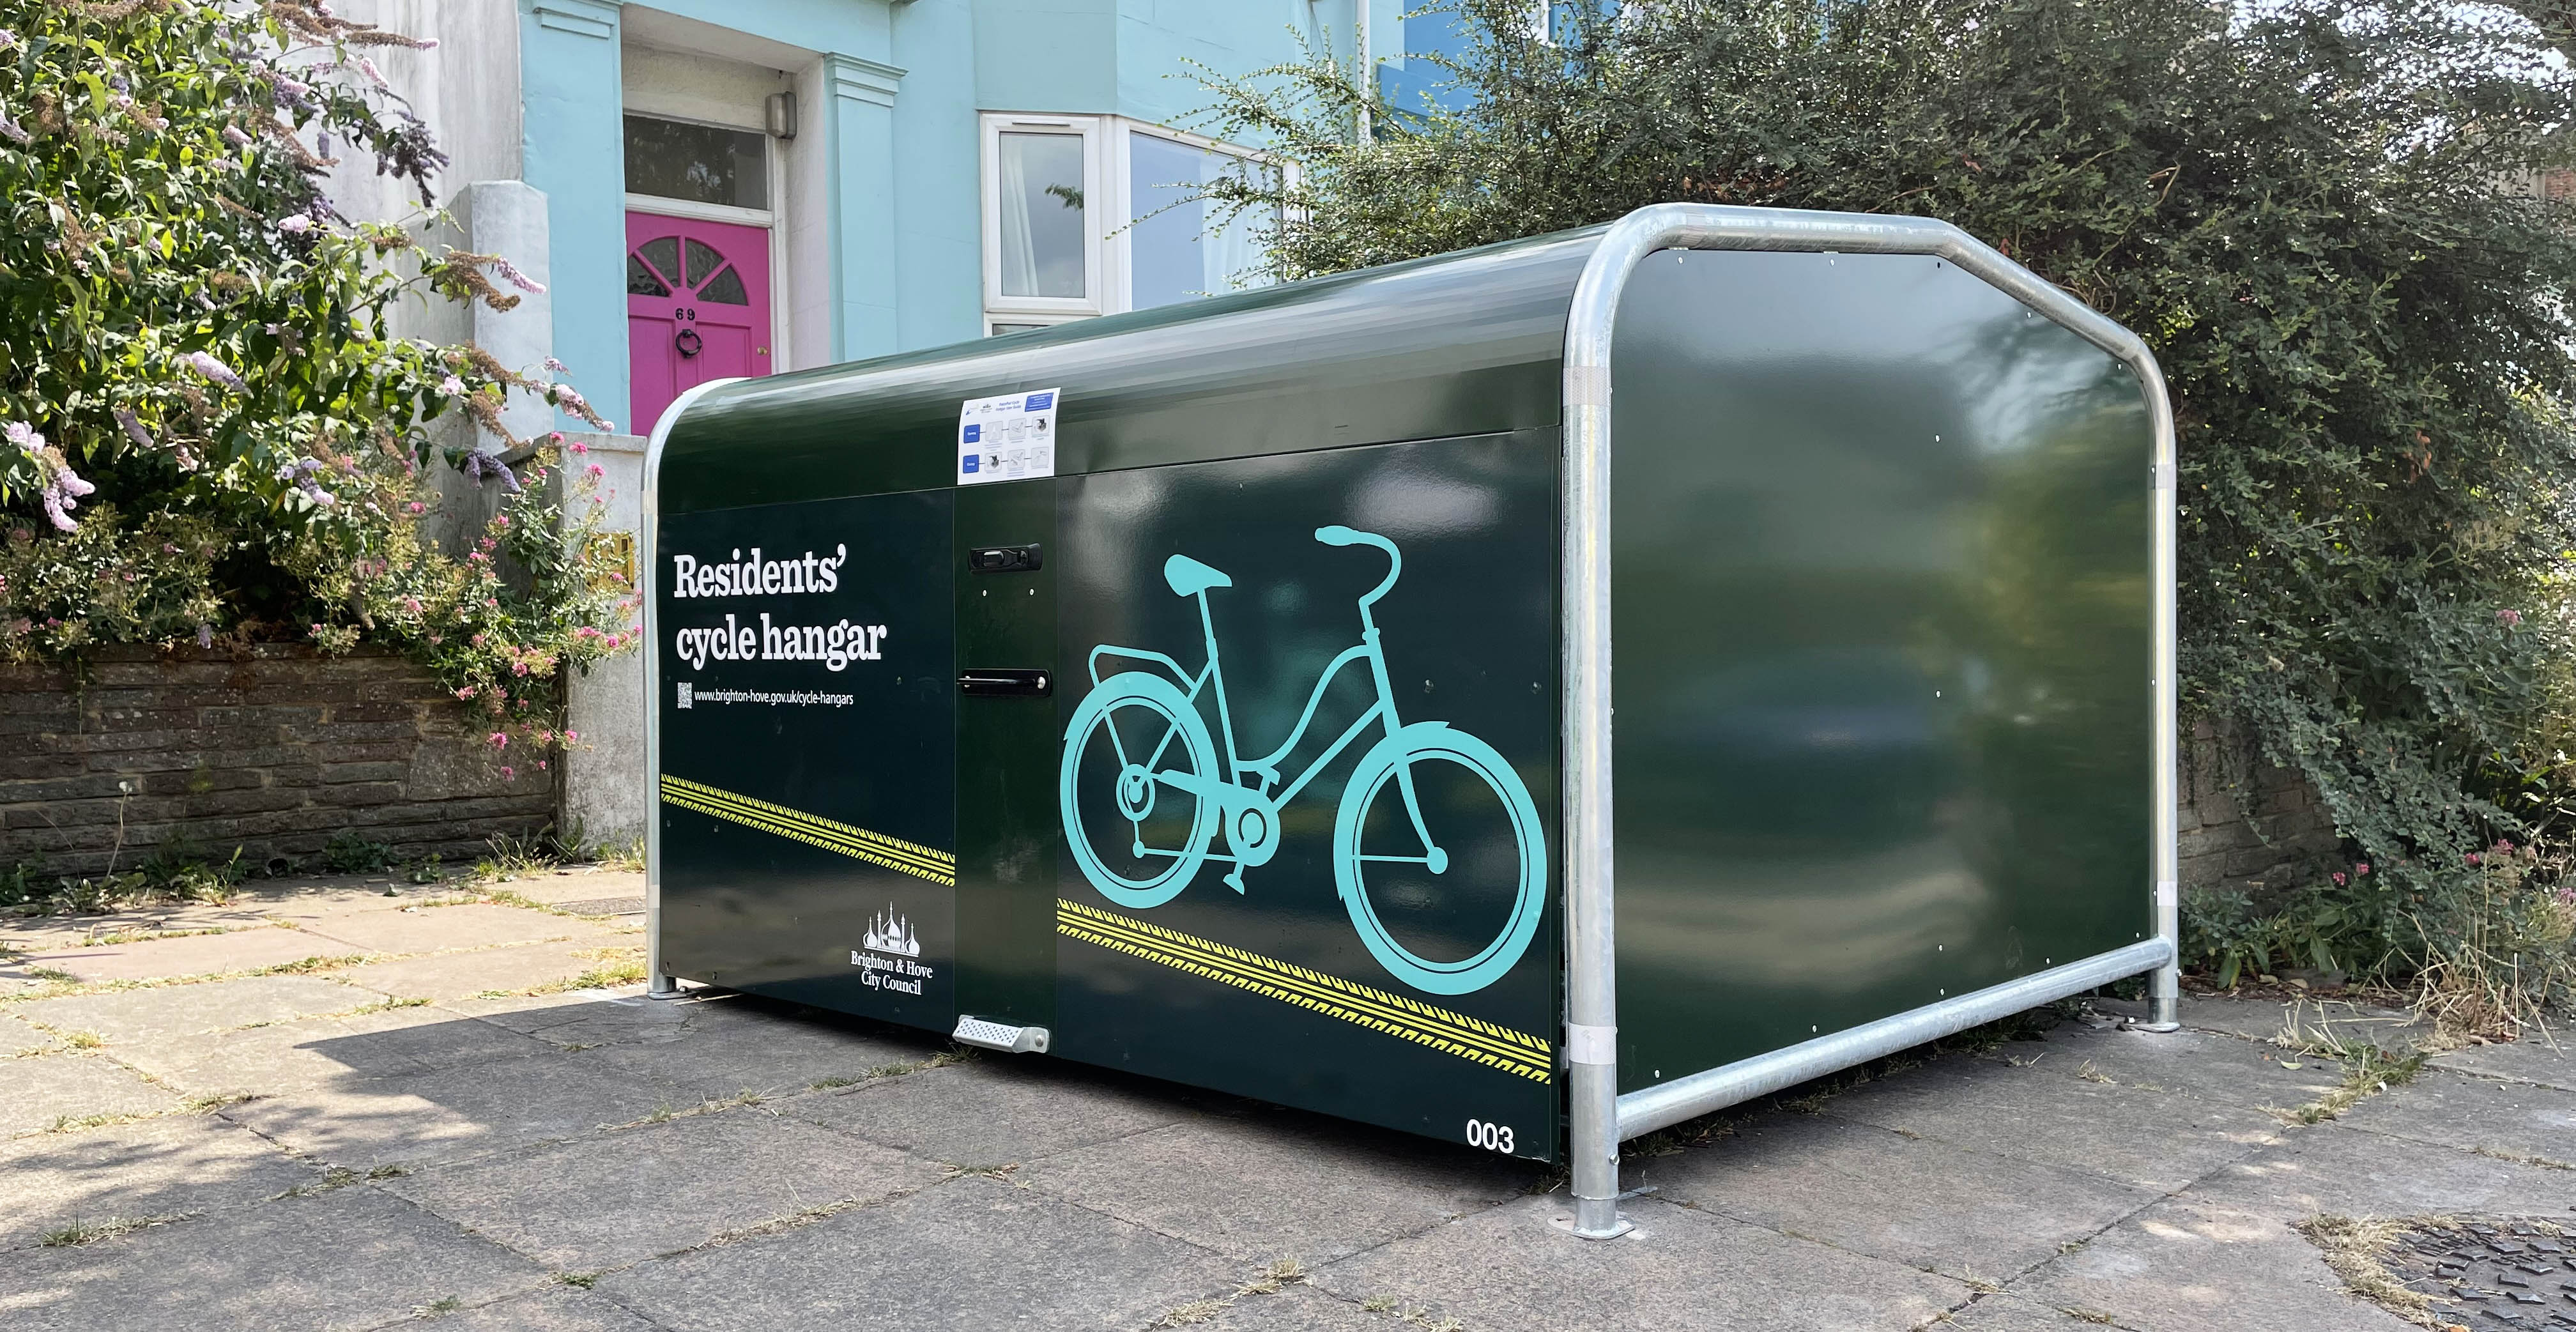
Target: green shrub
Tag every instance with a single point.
(2320, 215)
(213, 431)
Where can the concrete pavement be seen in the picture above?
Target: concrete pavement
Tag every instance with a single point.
(339, 1109)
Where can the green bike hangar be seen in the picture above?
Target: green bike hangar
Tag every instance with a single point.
(1224, 692)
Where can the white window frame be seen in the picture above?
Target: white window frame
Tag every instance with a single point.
(771, 219)
(1094, 281)
(1109, 252)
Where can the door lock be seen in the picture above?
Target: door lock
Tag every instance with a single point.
(1006, 559)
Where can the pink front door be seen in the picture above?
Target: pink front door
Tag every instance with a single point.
(697, 307)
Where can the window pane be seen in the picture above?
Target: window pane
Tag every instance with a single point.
(1175, 255)
(701, 163)
(727, 289)
(703, 261)
(663, 253)
(1042, 215)
(640, 280)
(1000, 329)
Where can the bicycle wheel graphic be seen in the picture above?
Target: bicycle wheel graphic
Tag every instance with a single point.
(1137, 762)
(1491, 863)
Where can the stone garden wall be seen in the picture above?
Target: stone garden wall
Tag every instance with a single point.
(2268, 832)
(273, 749)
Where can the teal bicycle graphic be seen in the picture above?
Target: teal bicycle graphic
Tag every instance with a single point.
(1144, 796)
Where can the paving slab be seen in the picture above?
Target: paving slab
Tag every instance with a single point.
(45, 934)
(17, 1037)
(2224, 1070)
(578, 886)
(2155, 1140)
(771, 1052)
(557, 1309)
(153, 1167)
(191, 955)
(2349, 1172)
(2186, 1263)
(431, 929)
(451, 1114)
(37, 1090)
(322, 1051)
(464, 975)
(165, 1011)
(1511, 1267)
(2456, 1110)
(1279, 1186)
(2343, 1020)
(973, 1254)
(585, 1018)
(993, 1111)
(2009, 1313)
(1920, 1202)
(611, 1199)
(349, 1258)
(2532, 1059)
(1301, 1308)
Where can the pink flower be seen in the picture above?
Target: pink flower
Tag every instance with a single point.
(2473, 857)
(2338, 878)
(577, 446)
(295, 224)
(2509, 616)
(518, 668)
(465, 691)
(452, 387)
(509, 772)
(500, 740)
(491, 603)
(541, 765)
(572, 737)
(417, 507)
(2362, 868)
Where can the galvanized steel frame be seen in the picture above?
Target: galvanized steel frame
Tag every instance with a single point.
(1599, 1118)
(660, 984)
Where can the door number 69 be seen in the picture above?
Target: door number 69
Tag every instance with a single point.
(1491, 1137)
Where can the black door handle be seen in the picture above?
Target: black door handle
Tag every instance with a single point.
(1006, 684)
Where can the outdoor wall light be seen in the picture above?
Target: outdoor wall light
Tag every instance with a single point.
(782, 115)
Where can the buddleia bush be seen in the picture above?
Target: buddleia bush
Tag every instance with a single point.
(213, 429)
(2325, 216)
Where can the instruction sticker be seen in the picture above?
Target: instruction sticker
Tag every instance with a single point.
(1009, 438)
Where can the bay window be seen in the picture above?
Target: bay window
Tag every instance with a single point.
(1093, 215)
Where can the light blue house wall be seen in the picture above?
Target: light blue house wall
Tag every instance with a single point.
(900, 90)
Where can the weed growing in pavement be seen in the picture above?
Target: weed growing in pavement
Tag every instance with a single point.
(91, 1232)
(444, 1305)
(383, 1005)
(580, 1280)
(1277, 1277)
(508, 857)
(1379, 1304)
(2368, 1071)
(352, 852)
(2542, 1162)
(827, 1084)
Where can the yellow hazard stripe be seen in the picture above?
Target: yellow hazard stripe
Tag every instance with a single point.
(812, 829)
(1468, 1038)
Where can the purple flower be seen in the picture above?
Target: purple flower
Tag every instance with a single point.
(452, 387)
(374, 75)
(8, 40)
(295, 224)
(24, 436)
(133, 428)
(557, 366)
(204, 363)
(234, 136)
(10, 130)
(481, 466)
(205, 635)
(518, 279)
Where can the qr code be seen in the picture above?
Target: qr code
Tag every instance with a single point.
(685, 697)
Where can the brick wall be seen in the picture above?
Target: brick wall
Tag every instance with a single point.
(2270, 831)
(274, 749)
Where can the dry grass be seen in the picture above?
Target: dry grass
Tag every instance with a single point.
(106, 1228)
(2357, 1250)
